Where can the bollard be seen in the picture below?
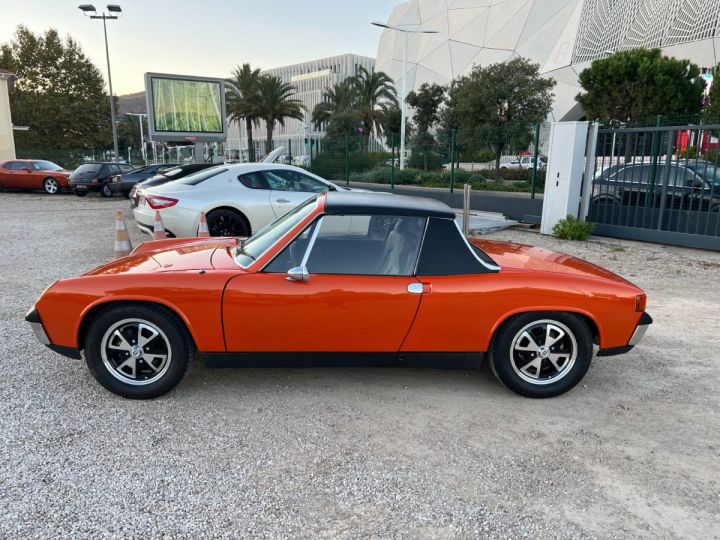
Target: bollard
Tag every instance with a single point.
(467, 190)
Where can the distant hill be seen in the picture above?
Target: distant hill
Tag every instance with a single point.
(132, 103)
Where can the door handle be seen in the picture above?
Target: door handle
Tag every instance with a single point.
(282, 201)
(415, 288)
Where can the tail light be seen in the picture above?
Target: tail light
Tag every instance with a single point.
(156, 202)
(640, 303)
(94, 181)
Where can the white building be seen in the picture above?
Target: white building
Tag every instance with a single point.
(7, 141)
(563, 36)
(310, 79)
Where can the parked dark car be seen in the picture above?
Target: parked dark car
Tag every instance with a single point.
(687, 185)
(103, 178)
(166, 176)
(128, 180)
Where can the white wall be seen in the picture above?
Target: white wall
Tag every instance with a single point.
(7, 141)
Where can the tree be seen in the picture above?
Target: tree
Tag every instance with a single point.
(711, 111)
(639, 84)
(338, 99)
(505, 100)
(276, 103)
(242, 101)
(426, 102)
(128, 130)
(59, 94)
(375, 95)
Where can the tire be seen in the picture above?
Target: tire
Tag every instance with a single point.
(81, 193)
(51, 186)
(126, 193)
(106, 191)
(227, 223)
(116, 360)
(549, 370)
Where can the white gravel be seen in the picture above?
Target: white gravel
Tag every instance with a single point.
(632, 452)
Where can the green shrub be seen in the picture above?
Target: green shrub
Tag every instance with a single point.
(571, 228)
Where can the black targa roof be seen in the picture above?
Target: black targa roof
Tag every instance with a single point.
(338, 202)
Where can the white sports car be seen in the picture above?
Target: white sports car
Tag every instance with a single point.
(237, 199)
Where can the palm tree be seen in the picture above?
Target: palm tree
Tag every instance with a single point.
(242, 97)
(375, 95)
(341, 97)
(276, 103)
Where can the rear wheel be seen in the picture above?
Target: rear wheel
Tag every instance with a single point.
(81, 192)
(227, 223)
(138, 351)
(51, 186)
(106, 191)
(542, 355)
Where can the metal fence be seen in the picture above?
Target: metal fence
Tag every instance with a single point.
(488, 158)
(658, 183)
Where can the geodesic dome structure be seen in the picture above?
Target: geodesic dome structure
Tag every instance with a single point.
(563, 36)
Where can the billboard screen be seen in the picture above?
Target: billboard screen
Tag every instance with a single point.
(182, 108)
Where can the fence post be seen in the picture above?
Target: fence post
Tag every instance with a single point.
(535, 161)
(290, 150)
(452, 160)
(347, 160)
(657, 135)
(392, 161)
(466, 209)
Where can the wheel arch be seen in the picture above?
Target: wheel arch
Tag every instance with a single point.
(584, 315)
(107, 303)
(231, 208)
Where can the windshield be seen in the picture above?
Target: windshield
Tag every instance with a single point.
(46, 166)
(707, 171)
(266, 237)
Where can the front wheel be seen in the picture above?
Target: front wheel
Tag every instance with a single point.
(541, 355)
(51, 186)
(138, 351)
(227, 223)
(106, 191)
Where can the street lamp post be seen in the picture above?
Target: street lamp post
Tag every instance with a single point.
(403, 89)
(114, 12)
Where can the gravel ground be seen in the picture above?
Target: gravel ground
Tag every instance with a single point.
(633, 451)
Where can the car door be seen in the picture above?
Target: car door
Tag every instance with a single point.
(360, 295)
(290, 188)
(13, 174)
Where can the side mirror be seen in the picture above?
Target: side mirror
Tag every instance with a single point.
(299, 273)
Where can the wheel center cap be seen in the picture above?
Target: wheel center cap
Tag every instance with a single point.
(544, 352)
(136, 351)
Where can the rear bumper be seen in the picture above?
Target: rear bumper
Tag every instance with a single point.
(34, 319)
(637, 335)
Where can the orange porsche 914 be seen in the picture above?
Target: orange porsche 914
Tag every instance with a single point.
(343, 279)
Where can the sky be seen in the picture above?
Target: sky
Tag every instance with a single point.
(205, 37)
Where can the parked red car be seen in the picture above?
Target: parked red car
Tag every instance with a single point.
(33, 174)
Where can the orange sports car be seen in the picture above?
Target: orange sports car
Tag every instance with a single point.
(344, 278)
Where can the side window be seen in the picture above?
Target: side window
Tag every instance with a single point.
(254, 180)
(297, 181)
(446, 253)
(357, 245)
(126, 168)
(104, 171)
(15, 165)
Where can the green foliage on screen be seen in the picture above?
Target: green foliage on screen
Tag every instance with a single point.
(184, 105)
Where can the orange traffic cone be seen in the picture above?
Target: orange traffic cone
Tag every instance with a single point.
(203, 230)
(159, 229)
(123, 247)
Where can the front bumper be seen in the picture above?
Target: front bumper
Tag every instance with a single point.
(34, 319)
(637, 335)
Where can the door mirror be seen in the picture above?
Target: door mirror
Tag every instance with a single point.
(299, 273)
(28, 167)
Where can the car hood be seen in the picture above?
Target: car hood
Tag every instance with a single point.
(522, 257)
(171, 255)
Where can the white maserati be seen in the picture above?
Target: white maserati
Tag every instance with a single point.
(237, 199)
